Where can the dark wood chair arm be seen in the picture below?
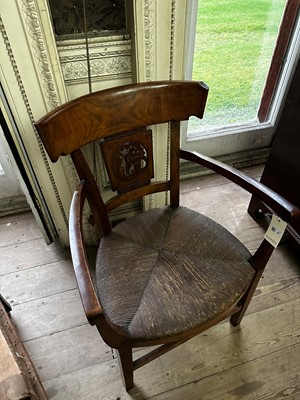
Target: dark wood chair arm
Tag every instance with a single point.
(278, 204)
(86, 288)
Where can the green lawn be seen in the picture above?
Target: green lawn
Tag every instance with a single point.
(233, 49)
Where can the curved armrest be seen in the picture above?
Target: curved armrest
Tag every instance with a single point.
(282, 207)
(87, 292)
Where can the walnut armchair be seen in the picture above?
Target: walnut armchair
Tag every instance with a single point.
(166, 274)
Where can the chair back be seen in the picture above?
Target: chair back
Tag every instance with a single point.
(119, 119)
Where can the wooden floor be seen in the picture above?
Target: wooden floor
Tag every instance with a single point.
(258, 360)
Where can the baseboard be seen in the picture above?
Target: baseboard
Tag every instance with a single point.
(13, 205)
(238, 160)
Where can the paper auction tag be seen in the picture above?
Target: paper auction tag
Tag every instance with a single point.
(275, 231)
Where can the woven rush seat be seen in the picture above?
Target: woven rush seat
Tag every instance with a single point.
(170, 254)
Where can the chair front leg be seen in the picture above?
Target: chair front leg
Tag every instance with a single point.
(236, 318)
(126, 364)
(258, 261)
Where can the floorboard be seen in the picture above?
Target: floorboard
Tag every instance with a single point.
(258, 360)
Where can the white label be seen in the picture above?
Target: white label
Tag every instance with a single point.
(275, 231)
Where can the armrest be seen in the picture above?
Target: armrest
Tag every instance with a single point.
(282, 207)
(87, 292)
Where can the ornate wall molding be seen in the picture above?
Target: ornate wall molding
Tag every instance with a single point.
(171, 76)
(31, 118)
(159, 54)
(108, 59)
(172, 39)
(33, 23)
(149, 38)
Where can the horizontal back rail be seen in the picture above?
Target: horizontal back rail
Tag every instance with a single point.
(154, 187)
(121, 109)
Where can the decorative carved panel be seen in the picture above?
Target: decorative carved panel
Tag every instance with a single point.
(110, 58)
(128, 160)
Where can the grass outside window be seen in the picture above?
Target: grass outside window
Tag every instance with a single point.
(235, 40)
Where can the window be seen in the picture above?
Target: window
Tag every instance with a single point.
(233, 49)
(233, 45)
(69, 16)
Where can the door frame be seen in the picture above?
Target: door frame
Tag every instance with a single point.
(7, 125)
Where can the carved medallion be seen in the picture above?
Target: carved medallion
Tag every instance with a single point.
(128, 159)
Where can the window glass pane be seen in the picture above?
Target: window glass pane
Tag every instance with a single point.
(101, 15)
(234, 43)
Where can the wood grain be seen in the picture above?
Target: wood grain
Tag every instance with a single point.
(35, 283)
(47, 315)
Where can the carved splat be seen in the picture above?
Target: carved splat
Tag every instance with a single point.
(128, 159)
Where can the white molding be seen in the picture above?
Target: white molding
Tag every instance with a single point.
(19, 141)
(25, 67)
(190, 37)
(149, 40)
(107, 60)
(159, 55)
(238, 160)
(39, 49)
(13, 205)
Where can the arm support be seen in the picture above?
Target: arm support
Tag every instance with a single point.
(282, 207)
(87, 292)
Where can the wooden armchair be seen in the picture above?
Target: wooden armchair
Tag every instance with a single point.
(166, 274)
